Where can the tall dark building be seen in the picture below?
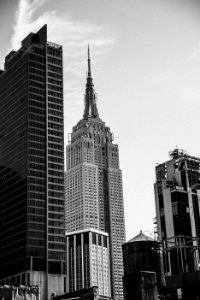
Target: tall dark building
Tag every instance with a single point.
(94, 197)
(32, 246)
(177, 197)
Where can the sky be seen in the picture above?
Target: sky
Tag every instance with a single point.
(145, 57)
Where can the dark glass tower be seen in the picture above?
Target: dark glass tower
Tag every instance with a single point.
(94, 197)
(32, 247)
(177, 197)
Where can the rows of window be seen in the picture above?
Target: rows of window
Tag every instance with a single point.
(56, 223)
(40, 72)
(36, 58)
(55, 81)
(37, 152)
(36, 242)
(55, 139)
(56, 246)
(36, 203)
(55, 173)
(37, 219)
(36, 91)
(56, 180)
(37, 138)
(36, 159)
(37, 77)
(37, 211)
(56, 255)
(54, 52)
(54, 106)
(39, 103)
(55, 94)
(54, 75)
(36, 65)
(55, 133)
(58, 239)
(55, 126)
(54, 69)
(59, 195)
(56, 146)
(37, 145)
(37, 125)
(56, 201)
(56, 231)
(57, 101)
(38, 196)
(37, 85)
(54, 61)
(55, 166)
(55, 119)
(56, 208)
(55, 113)
(54, 87)
(37, 234)
(55, 187)
(37, 118)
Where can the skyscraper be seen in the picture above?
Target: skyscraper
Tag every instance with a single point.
(94, 197)
(32, 237)
(177, 197)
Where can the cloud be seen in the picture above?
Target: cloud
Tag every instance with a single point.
(74, 36)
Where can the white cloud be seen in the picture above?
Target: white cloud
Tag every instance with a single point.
(74, 36)
(24, 20)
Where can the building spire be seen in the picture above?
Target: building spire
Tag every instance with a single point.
(89, 83)
(90, 96)
(89, 66)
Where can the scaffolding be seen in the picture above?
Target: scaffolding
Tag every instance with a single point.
(181, 254)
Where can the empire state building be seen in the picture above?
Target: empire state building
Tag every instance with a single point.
(94, 203)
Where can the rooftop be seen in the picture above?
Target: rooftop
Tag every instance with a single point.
(140, 237)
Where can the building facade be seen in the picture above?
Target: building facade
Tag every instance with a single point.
(177, 198)
(88, 261)
(32, 236)
(94, 196)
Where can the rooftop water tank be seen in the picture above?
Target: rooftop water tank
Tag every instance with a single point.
(142, 253)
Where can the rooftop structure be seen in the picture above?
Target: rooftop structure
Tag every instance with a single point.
(88, 261)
